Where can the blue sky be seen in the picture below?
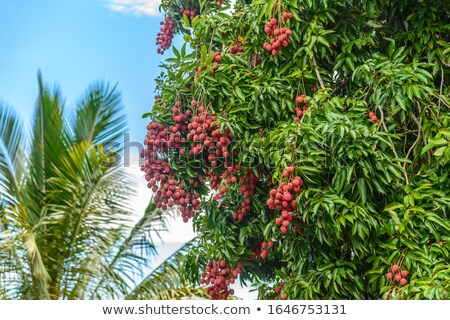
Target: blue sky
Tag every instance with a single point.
(76, 42)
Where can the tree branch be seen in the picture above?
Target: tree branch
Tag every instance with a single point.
(317, 71)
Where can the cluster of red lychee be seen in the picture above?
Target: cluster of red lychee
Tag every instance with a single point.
(300, 110)
(176, 137)
(374, 118)
(278, 289)
(265, 246)
(397, 275)
(248, 184)
(216, 59)
(280, 36)
(190, 13)
(159, 175)
(156, 138)
(283, 198)
(214, 181)
(166, 34)
(237, 47)
(205, 134)
(247, 190)
(229, 175)
(219, 275)
(245, 208)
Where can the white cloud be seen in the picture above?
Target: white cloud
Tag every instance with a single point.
(136, 7)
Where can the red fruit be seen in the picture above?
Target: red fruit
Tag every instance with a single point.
(403, 282)
(371, 114)
(290, 169)
(270, 244)
(440, 243)
(374, 118)
(398, 278)
(284, 296)
(218, 58)
(284, 229)
(389, 275)
(286, 173)
(296, 119)
(404, 273)
(395, 268)
(299, 100)
(288, 197)
(264, 245)
(286, 223)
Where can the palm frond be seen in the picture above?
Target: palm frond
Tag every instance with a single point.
(93, 200)
(164, 278)
(100, 118)
(182, 293)
(47, 147)
(137, 248)
(12, 143)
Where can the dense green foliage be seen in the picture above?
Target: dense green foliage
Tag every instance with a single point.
(66, 217)
(375, 194)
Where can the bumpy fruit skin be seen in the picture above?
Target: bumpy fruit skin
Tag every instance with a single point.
(218, 276)
(395, 268)
(284, 296)
(403, 282)
(389, 275)
(279, 35)
(166, 34)
(404, 273)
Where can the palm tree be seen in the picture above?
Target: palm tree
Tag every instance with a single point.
(66, 228)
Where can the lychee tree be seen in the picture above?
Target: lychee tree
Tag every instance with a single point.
(308, 141)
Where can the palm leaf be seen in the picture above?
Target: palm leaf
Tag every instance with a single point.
(12, 143)
(164, 279)
(100, 118)
(93, 201)
(182, 293)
